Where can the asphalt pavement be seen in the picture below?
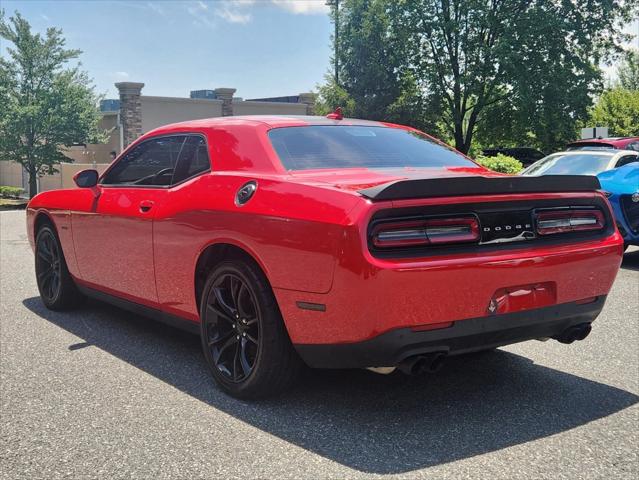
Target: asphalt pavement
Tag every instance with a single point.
(102, 393)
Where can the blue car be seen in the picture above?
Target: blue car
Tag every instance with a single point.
(622, 187)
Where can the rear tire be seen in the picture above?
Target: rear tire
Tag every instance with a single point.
(57, 289)
(244, 340)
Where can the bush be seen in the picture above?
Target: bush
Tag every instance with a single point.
(500, 163)
(11, 192)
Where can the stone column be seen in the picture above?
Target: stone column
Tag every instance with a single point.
(226, 95)
(309, 100)
(130, 110)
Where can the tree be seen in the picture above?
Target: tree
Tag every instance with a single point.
(618, 109)
(533, 61)
(374, 81)
(628, 70)
(44, 106)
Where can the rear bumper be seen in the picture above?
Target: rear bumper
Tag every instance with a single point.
(390, 348)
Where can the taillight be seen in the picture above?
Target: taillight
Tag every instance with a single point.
(434, 231)
(560, 221)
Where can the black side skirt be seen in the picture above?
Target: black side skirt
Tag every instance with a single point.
(390, 348)
(167, 318)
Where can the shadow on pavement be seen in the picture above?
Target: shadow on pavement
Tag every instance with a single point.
(631, 260)
(372, 423)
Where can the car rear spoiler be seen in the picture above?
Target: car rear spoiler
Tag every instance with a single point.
(458, 186)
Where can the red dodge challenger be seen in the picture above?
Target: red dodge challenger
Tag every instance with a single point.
(330, 242)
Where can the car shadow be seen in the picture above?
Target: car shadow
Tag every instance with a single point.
(372, 423)
(631, 260)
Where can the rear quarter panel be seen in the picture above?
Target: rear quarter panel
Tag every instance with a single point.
(293, 231)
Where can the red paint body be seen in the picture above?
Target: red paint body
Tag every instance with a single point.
(308, 232)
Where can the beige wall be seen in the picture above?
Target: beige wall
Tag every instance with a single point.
(11, 174)
(99, 153)
(155, 112)
(268, 108)
(159, 111)
(64, 179)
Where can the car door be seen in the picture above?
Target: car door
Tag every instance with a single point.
(177, 234)
(114, 239)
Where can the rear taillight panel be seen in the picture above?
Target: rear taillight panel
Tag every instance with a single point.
(474, 227)
(564, 220)
(431, 231)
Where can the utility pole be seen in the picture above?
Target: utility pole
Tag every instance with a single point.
(335, 5)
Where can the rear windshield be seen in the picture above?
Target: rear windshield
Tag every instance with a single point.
(325, 146)
(573, 164)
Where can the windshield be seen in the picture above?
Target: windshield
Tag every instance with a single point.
(323, 146)
(571, 164)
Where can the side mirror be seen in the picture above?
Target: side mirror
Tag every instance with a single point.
(86, 178)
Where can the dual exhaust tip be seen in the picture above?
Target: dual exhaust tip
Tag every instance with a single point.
(577, 332)
(421, 364)
(433, 362)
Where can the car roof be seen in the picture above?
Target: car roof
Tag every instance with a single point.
(273, 121)
(599, 151)
(622, 141)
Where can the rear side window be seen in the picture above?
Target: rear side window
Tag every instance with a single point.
(150, 163)
(626, 159)
(633, 146)
(323, 146)
(194, 159)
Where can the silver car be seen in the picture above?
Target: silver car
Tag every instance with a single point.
(581, 162)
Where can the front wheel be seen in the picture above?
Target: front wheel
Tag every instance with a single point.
(56, 287)
(244, 339)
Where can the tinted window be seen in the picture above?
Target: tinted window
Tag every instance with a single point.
(194, 159)
(315, 147)
(626, 159)
(572, 164)
(590, 146)
(150, 163)
(633, 146)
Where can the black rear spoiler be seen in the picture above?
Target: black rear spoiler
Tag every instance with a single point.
(457, 186)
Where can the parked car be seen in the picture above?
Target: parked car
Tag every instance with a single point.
(622, 188)
(619, 143)
(581, 162)
(338, 243)
(525, 155)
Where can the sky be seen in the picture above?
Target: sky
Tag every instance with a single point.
(262, 48)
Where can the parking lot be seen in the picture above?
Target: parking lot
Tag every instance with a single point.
(102, 392)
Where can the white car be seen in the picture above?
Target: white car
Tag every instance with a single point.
(581, 162)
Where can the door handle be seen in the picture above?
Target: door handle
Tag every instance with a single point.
(146, 205)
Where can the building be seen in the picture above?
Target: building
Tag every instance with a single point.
(134, 114)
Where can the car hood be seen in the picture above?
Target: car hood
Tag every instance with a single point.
(622, 180)
(356, 179)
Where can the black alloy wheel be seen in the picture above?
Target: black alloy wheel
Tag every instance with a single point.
(232, 327)
(48, 266)
(245, 342)
(57, 288)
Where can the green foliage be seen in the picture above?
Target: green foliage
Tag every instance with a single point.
(459, 65)
(43, 105)
(375, 82)
(628, 70)
(500, 163)
(10, 192)
(618, 109)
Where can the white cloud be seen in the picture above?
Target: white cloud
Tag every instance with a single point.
(120, 76)
(232, 14)
(44, 17)
(204, 12)
(156, 8)
(303, 7)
